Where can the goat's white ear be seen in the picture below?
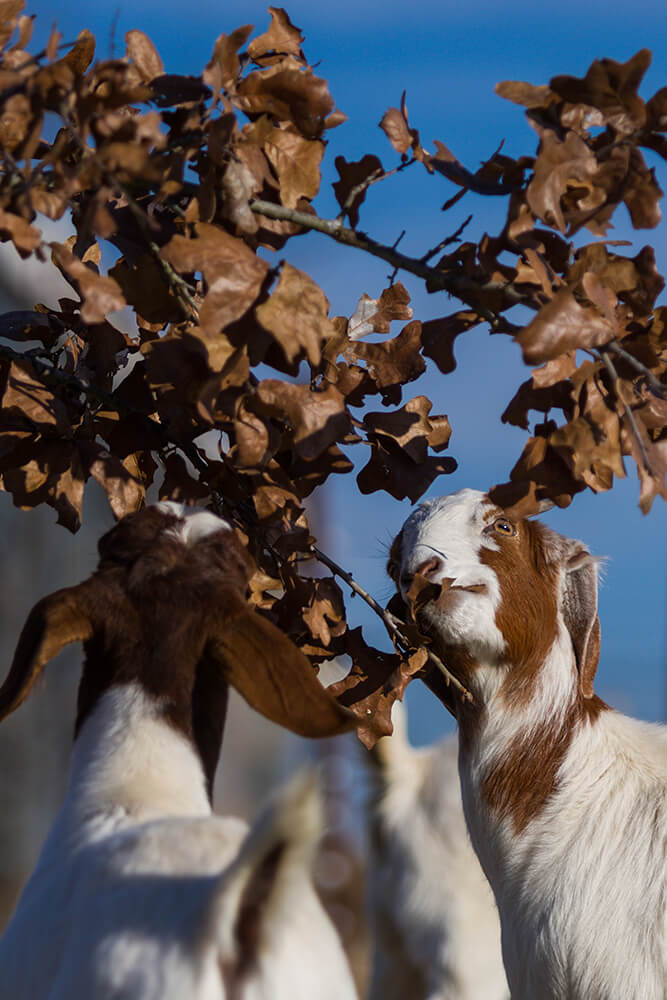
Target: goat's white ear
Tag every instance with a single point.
(260, 889)
(580, 612)
(274, 676)
(54, 622)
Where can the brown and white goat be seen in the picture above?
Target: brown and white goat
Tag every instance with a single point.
(140, 892)
(565, 799)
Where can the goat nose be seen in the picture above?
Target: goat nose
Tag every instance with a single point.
(426, 568)
(430, 566)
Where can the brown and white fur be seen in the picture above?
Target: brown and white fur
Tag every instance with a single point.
(565, 799)
(140, 892)
(436, 933)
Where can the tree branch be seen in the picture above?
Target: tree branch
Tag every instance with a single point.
(462, 287)
(657, 387)
(391, 622)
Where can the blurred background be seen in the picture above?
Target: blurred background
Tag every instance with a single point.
(448, 57)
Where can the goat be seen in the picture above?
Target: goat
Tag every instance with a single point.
(564, 798)
(436, 927)
(140, 892)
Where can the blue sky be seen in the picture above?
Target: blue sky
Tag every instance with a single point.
(448, 56)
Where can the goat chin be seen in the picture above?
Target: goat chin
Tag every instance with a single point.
(565, 799)
(140, 891)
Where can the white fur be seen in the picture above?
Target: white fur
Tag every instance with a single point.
(451, 528)
(435, 922)
(196, 523)
(137, 889)
(582, 888)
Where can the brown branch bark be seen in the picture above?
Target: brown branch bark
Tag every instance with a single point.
(463, 288)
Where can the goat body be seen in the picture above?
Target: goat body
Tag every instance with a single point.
(565, 799)
(435, 922)
(140, 892)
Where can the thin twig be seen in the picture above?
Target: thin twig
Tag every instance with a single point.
(613, 374)
(391, 622)
(377, 175)
(459, 285)
(448, 240)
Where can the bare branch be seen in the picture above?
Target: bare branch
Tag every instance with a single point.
(462, 287)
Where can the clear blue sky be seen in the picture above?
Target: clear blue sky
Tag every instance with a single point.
(448, 56)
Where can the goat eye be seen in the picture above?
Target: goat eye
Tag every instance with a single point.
(504, 527)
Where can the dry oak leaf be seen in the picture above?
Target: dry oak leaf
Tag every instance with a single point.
(14, 121)
(223, 68)
(296, 162)
(394, 124)
(548, 387)
(144, 55)
(527, 94)
(288, 93)
(234, 274)
(540, 474)
(412, 428)
(324, 613)
(392, 363)
(612, 88)
(438, 336)
(297, 315)
(124, 492)
(369, 688)
(317, 417)
(281, 38)
(99, 293)
(353, 175)
(25, 396)
(393, 469)
(563, 190)
(562, 325)
(54, 475)
(25, 237)
(145, 289)
(9, 12)
(376, 315)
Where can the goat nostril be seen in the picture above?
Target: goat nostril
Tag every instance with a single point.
(429, 567)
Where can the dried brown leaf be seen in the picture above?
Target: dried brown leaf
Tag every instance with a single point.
(297, 315)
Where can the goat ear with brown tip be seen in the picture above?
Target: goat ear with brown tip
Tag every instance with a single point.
(54, 622)
(580, 612)
(275, 677)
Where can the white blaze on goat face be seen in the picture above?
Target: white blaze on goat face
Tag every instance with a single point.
(450, 532)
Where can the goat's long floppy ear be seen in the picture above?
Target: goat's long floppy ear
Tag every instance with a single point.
(580, 611)
(275, 677)
(53, 622)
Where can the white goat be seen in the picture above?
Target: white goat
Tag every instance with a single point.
(140, 892)
(435, 923)
(565, 799)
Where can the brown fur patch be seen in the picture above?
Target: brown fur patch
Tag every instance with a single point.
(527, 615)
(519, 784)
(173, 618)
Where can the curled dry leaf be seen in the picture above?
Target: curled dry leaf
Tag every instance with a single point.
(297, 315)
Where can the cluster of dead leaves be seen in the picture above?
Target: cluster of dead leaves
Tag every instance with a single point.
(202, 401)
